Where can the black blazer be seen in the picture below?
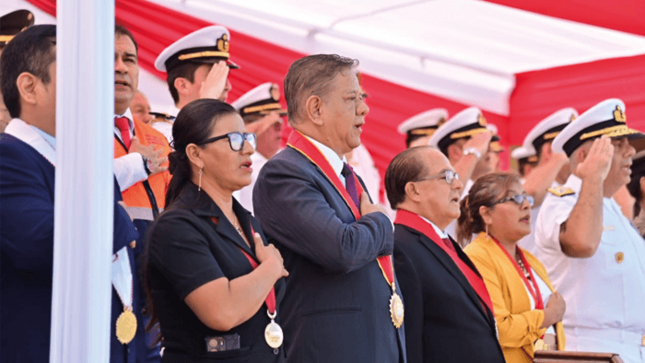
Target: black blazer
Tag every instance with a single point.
(444, 319)
(337, 305)
(186, 250)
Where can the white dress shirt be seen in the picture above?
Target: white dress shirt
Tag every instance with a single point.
(129, 168)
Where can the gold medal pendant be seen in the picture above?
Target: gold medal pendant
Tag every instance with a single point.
(126, 327)
(397, 312)
(273, 333)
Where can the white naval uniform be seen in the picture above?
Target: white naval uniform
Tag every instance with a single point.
(363, 166)
(165, 127)
(528, 242)
(605, 297)
(245, 195)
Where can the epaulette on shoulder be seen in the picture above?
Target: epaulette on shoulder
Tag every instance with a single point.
(561, 191)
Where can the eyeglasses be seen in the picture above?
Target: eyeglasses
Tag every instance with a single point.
(448, 175)
(235, 140)
(517, 199)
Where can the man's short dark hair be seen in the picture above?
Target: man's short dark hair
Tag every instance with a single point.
(312, 75)
(31, 51)
(121, 30)
(184, 70)
(406, 167)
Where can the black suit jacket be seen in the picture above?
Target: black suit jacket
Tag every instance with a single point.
(336, 307)
(444, 319)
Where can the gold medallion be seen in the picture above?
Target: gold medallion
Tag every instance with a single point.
(397, 311)
(126, 327)
(273, 335)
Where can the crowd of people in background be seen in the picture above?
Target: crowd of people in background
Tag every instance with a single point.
(229, 248)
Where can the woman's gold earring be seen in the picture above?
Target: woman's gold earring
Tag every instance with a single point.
(201, 171)
(487, 230)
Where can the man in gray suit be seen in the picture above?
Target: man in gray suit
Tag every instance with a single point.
(342, 303)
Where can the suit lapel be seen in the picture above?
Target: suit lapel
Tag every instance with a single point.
(454, 270)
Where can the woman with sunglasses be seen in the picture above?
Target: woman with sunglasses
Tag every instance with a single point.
(527, 309)
(214, 285)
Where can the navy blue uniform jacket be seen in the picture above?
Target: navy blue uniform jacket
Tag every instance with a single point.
(27, 257)
(445, 321)
(336, 306)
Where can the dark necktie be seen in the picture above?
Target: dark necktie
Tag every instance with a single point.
(449, 244)
(350, 184)
(124, 126)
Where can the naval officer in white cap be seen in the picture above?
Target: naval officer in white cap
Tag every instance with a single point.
(552, 169)
(594, 256)
(262, 113)
(526, 160)
(419, 128)
(197, 66)
(465, 140)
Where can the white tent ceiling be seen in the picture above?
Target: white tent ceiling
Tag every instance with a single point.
(464, 50)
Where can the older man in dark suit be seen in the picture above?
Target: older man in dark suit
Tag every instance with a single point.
(342, 303)
(449, 314)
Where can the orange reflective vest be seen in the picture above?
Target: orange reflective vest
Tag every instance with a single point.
(146, 198)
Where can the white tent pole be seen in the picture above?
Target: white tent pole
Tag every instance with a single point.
(83, 212)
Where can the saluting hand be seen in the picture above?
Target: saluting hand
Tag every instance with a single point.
(598, 160)
(479, 142)
(215, 83)
(367, 206)
(270, 255)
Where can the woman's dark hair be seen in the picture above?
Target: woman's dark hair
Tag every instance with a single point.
(487, 190)
(634, 185)
(193, 125)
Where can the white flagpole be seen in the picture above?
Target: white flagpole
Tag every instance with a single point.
(83, 212)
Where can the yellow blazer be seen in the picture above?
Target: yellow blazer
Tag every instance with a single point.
(519, 327)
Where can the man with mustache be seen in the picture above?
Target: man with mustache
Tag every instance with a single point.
(262, 114)
(594, 256)
(343, 303)
(27, 184)
(140, 151)
(197, 66)
(449, 314)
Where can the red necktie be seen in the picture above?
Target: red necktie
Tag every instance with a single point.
(448, 243)
(124, 126)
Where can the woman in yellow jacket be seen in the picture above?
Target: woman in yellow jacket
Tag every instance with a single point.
(527, 308)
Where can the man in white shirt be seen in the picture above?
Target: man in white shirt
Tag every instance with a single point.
(197, 66)
(262, 113)
(593, 254)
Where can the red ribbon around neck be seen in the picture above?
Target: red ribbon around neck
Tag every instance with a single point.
(300, 143)
(414, 221)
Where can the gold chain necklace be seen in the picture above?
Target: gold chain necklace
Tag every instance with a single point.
(524, 269)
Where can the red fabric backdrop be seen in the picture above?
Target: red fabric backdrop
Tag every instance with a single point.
(537, 93)
(623, 15)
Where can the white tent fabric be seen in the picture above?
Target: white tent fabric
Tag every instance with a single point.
(464, 50)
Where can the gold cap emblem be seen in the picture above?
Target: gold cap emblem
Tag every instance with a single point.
(619, 115)
(222, 43)
(573, 117)
(441, 121)
(482, 120)
(620, 257)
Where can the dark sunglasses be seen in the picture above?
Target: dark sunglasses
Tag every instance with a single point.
(449, 176)
(235, 140)
(517, 199)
